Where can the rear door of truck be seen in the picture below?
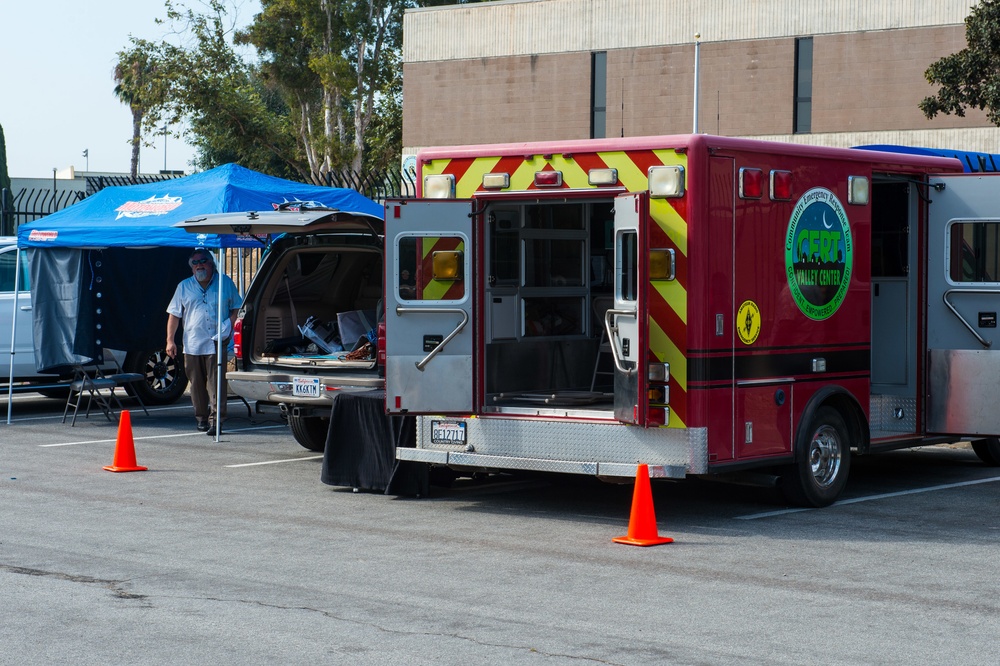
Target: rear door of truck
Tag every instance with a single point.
(963, 304)
(429, 307)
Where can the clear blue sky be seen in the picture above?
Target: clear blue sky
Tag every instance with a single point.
(57, 58)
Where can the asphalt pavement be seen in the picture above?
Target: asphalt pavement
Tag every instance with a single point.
(234, 552)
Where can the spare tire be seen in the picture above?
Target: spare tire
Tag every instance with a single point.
(165, 381)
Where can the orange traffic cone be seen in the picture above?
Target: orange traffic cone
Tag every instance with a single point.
(642, 522)
(124, 447)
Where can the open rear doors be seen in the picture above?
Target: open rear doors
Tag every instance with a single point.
(429, 307)
(625, 325)
(963, 301)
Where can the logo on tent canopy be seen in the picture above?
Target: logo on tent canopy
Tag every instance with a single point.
(152, 206)
(298, 206)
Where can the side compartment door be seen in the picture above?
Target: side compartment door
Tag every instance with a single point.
(429, 307)
(626, 327)
(963, 304)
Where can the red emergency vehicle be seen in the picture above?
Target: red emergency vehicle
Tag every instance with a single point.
(701, 304)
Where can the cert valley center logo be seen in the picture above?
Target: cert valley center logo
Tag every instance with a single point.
(819, 253)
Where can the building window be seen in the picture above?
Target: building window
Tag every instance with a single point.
(802, 120)
(598, 94)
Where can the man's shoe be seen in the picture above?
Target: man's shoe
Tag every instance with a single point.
(202, 426)
(211, 430)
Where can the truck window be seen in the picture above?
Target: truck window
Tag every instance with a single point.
(628, 266)
(419, 278)
(974, 251)
(8, 267)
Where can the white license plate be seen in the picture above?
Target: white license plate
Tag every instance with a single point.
(448, 432)
(306, 387)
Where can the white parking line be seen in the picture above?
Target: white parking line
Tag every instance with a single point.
(275, 462)
(150, 437)
(136, 410)
(855, 500)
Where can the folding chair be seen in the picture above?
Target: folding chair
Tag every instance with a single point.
(85, 385)
(124, 380)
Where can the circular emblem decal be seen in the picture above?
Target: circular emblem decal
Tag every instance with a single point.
(748, 322)
(819, 253)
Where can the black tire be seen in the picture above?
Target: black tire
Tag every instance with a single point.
(822, 461)
(988, 450)
(309, 431)
(165, 379)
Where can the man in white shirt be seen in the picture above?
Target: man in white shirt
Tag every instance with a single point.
(195, 304)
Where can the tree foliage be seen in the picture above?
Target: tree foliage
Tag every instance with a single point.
(7, 203)
(138, 85)
(322, 95)
(971, 77)
(333, 63)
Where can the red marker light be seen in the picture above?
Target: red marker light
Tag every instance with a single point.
(548, 178)
(751, 183)
(781, 186)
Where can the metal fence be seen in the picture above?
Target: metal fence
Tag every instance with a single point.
(30, 205)
(97, 183)
(376, 185)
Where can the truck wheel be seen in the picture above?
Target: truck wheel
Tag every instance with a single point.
(309, 431)
(823, 460)
(165, 379)
(988, 450)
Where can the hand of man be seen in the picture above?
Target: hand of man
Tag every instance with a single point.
(171, 349)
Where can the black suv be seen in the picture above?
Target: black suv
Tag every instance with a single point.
(306, 327)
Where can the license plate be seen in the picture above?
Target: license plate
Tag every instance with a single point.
(306, 387)
(448, 432)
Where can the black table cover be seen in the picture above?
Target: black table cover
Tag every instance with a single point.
(361, 447)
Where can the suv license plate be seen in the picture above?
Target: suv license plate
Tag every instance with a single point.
(306, 387)
(448, 432)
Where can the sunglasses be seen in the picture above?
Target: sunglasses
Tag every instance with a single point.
(198, 262)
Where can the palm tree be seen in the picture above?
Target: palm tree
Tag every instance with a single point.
(137, 85)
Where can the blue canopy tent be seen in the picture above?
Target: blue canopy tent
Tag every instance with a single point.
(104, 269)
(972, 162)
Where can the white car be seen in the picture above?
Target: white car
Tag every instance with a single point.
(165, 379)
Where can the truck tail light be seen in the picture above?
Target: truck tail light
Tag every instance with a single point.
(238, 339)
(658, 394)
(658, 416)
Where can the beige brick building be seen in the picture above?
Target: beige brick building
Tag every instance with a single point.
(837, 73)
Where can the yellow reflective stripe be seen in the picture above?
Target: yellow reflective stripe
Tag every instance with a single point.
(669, 220)
(675, 295)
(472, 180)
(667, 352)
(633, 178)
(573, 174)
(524, 176)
